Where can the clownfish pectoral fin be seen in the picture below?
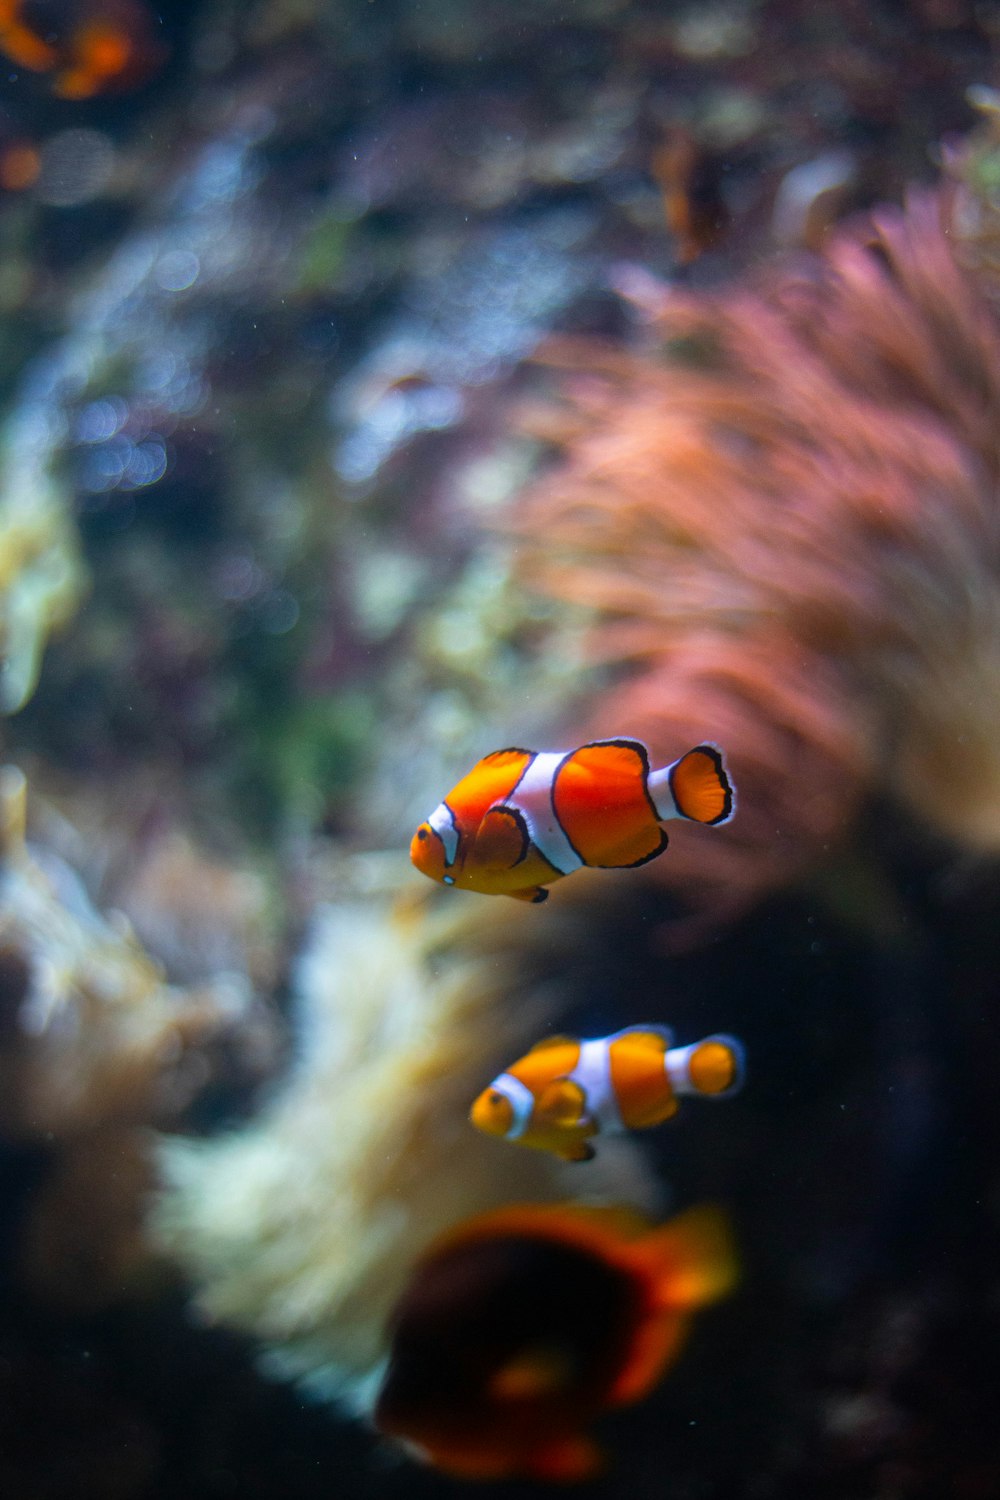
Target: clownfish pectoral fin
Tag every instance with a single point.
(534, 893)
(566, 1461)
(501, 840)
(561, 1102)
(700, 787)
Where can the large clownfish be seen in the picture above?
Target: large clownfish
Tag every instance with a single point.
(566, 1090)
(523, 818)
(519, 1328)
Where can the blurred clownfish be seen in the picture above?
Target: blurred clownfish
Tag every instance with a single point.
(520, 1328)
(690, 180)
(89, 46)
(566, 1090)
(522, 819)
(20, 165)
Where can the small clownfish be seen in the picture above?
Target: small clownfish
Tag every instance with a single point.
(523, 818)
(520, 1328)
(566, 1090)
(690, 180)
(88, 46)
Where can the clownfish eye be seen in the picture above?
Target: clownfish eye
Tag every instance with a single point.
(496, 1098)
(421, 833)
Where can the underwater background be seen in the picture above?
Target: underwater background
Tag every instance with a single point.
(383, 383)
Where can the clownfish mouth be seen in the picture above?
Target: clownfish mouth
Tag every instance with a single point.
(427, 852)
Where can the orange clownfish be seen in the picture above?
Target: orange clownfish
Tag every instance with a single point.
(519, 1328)
(89, 46)
(523, 818)
(566, 1090)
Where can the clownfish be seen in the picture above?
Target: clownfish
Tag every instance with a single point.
(566, 1090)
(523, 818)
(88, 46)
(520, 1327)
(690, 181)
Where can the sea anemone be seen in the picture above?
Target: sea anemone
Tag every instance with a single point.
(302, 1227)
(783, 516)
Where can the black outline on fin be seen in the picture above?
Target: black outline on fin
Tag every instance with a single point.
(626, 744)
(522, 827)
(507, 750)
(716, 757)
(664, 841)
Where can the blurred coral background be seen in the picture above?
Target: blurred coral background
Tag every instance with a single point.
(382, 384)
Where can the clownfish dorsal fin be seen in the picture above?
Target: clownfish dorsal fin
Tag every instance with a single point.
(660, 1036)
(620, 743)
(498, 758)
(561, 1102)
(502, 839)
(559, 1040)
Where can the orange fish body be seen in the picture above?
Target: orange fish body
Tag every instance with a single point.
(567, 1090)
(521, 1327)
(522, 819)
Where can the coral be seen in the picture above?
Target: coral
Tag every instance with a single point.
(95, 1046)
(41, 575)
(303, 1226)
(201, 901)
(783, 517)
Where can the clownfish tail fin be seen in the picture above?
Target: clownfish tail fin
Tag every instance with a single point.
(697, 1258)
(714, 1067)
(696, 787)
